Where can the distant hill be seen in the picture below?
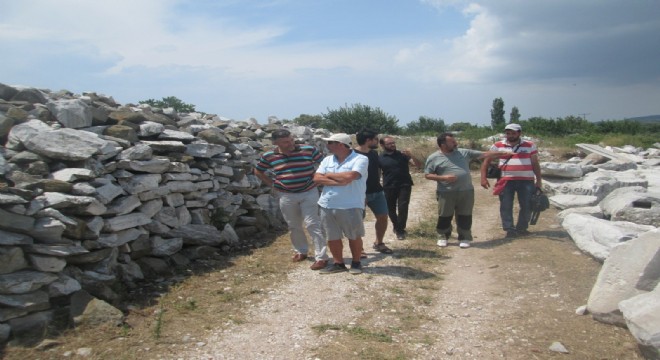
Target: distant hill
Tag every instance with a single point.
(646, 119)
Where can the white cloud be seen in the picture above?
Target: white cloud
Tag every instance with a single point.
(226, 55)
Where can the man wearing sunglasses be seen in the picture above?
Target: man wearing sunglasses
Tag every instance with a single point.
(343, 176)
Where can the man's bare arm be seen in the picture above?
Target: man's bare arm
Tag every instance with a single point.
(536, 166)
(264, 178)
(336, 179)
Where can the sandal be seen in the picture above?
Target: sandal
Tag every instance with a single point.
(382, 248)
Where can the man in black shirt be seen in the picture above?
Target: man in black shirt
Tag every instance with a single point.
(368, 141)
(397, 182)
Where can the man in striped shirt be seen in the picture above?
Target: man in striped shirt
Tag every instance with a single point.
(521, 173)
(290, 169)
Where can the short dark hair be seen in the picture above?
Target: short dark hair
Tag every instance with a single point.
(442, 138)
(365, 134)
(280, 133)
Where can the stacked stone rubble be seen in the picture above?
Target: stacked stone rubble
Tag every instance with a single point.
(93, 193)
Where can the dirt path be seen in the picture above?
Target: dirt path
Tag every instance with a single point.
(498, 299)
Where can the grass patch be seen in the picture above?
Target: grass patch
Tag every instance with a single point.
(366, 334)
(356, 331)
(158, 327)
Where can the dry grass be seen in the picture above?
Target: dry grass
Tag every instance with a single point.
(210, 297)
(213, 295)
(388, 324)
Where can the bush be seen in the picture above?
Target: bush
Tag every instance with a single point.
(170, 101)
(351, 119)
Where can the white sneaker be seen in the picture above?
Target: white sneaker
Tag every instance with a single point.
(464, 244)
(442, 242)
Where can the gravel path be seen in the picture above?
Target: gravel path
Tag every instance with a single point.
(498, 299)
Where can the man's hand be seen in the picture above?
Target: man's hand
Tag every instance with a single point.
(484, 183)
(451, 178)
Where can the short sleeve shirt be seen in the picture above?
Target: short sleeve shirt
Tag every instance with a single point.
(396, 171)
(349, 196)
(373, 180)
(294, 172)
(457, 163)
(519, 166)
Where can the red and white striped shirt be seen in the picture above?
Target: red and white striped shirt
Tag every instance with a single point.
(519, 166)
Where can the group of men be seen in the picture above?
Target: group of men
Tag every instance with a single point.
(520, 175)
(351, 181)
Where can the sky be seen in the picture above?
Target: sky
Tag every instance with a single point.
(443, 59)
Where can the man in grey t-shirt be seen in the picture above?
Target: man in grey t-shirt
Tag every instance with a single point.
(450, 167)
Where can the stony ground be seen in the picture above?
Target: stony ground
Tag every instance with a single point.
(499, 299)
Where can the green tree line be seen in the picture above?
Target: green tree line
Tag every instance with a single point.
(351, 118)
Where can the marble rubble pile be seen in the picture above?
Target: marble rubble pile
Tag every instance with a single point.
(611, 210)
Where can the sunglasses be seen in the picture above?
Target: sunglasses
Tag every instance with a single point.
(333, 142)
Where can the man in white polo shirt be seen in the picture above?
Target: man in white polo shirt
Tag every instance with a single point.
(343, 176)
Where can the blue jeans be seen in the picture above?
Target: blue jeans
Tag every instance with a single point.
(525, 189)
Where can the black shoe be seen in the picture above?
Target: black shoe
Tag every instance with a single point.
(334, 268)
(401, 236)
(356, 268)
(510, 234)
(523, 232)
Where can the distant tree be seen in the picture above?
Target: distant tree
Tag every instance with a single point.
(621, 126)
(514, 116)
(313, 121)
(497, 115)
(170, 101)
(350, 119)
(460, 126)
(425, 125)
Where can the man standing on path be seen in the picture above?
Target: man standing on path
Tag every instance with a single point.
(397, 183)
(518, 174)
(450, 167)
(368, 141)
(293, 169)
(344, 178)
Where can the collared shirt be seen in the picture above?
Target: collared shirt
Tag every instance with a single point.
(396, 171)
(456, 163)
(519, 167)
(294, 172)
(349, 196)
(373, 180)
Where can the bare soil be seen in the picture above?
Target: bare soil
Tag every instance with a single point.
(499, 299)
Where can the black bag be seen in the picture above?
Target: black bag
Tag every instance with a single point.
(493, 171)
(539, 202)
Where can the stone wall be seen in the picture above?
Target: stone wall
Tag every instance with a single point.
(93, 193)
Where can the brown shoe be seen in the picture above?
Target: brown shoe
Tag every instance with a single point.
(319, 264)
(299, 257)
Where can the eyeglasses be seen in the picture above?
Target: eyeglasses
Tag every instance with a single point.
(333, 142)
(389, 143)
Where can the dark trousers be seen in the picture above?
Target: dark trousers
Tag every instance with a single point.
(397, 206)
